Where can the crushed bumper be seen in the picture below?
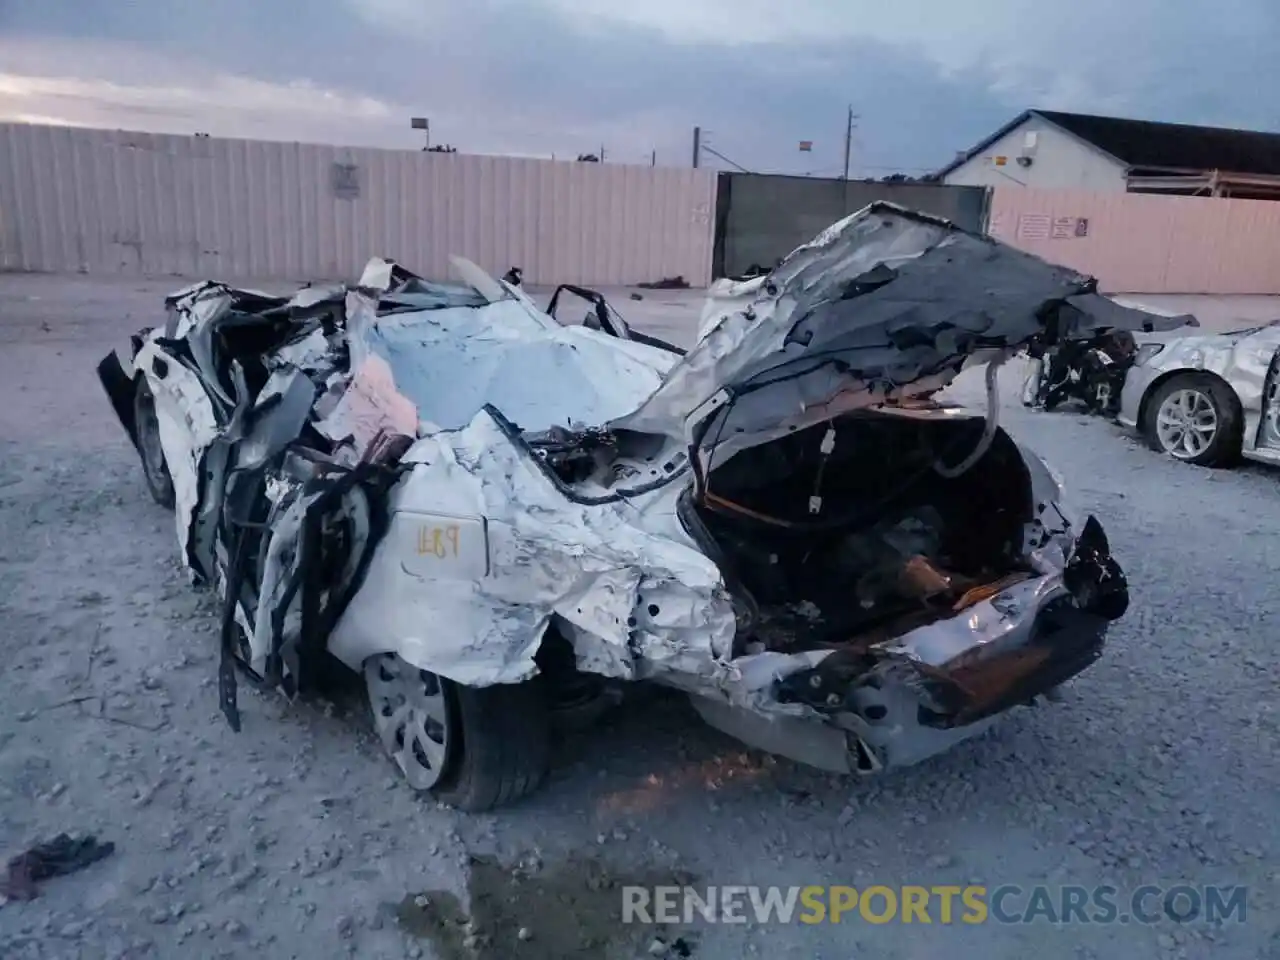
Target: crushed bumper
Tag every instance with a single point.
(897, 705)
(900, 713)
(1065, 640)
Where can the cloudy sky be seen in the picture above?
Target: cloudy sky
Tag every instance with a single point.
(544, 77)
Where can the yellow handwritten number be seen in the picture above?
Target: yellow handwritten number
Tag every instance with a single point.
(439, 542)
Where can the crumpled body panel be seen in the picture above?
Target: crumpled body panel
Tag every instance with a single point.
(883, 305)
(277, 418)
(637, 604)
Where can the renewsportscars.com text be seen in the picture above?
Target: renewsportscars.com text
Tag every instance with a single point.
(941, 904)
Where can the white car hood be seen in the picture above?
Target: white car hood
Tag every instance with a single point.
(884, 304)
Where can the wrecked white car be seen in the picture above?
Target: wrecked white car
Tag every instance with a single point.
(489, 514)
(1207, 399)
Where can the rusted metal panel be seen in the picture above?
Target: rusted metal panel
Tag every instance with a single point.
(1145, 243)
(107, 201)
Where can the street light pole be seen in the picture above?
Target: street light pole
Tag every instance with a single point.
(423, 124)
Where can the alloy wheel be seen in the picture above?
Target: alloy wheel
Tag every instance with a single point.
(1186, 423)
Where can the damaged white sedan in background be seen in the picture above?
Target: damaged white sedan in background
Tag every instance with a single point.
(1205, 398)
(496, 518)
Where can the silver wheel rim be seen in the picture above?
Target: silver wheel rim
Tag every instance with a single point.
(1186, 423)
(410, 716)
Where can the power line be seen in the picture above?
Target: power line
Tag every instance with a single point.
(835, 171)
(717, 153)
(701, 146)
(902, 169)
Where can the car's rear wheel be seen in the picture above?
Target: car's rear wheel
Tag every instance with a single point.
(474, 748)
(1195, 418)
(147, 424)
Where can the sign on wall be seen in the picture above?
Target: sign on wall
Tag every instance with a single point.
(1033, 226)
(1041, 226)
(1075, 226)
(346, 181)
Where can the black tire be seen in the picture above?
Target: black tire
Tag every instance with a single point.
(501, 746)
(154, 469)
(474, 748)
(1224, 447)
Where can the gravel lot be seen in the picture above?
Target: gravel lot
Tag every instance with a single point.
(295, 839)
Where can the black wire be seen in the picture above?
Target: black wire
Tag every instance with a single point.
(854, 520)
(724, 421)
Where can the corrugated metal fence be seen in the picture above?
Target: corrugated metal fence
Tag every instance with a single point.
(116, 202)
(1144, 243)
(760, 218)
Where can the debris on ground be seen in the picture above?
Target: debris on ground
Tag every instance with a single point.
(57, 857)
(677, 948)
(666, 283)
(1179, 716)
(568, 912)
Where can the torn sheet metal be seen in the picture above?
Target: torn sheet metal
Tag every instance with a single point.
(884, 304)
(1091, 313)
(188, 427)
(725, 297)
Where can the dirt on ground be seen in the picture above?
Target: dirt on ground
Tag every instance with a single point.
(296, 837)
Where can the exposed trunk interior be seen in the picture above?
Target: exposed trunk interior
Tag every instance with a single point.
(869, 540)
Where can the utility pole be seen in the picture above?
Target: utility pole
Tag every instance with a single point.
(653, 158)
(848, 140)
(697, 145)
(602, 153)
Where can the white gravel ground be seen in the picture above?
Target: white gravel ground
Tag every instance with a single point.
(295, 839)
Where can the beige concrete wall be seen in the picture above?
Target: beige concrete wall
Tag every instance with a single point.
(116, 202)
(1147, 243)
